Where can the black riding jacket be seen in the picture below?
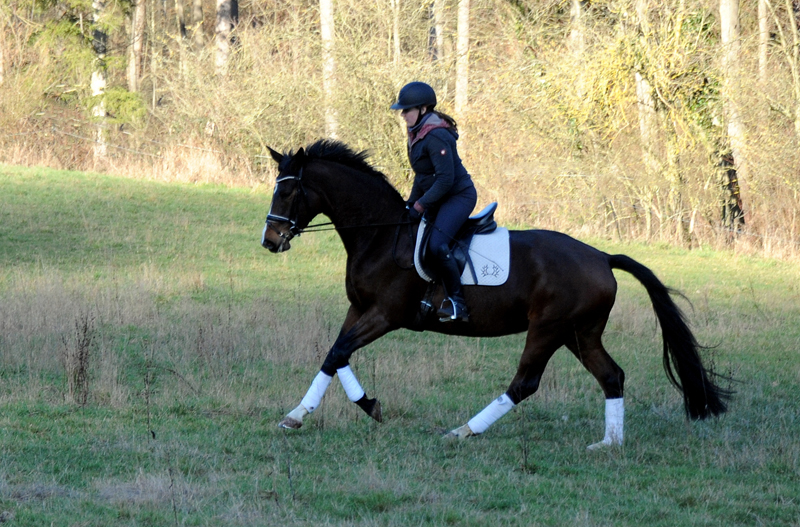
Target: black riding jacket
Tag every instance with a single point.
(434, 158)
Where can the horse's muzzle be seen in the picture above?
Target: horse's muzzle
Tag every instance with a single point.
(276, 248)
(274, 241)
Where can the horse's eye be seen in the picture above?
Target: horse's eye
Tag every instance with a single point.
(283, 192)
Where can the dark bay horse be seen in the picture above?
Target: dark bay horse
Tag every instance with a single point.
(560, 291)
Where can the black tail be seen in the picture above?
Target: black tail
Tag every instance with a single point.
(701, 397)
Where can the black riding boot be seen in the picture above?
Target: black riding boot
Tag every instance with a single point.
(453, 307)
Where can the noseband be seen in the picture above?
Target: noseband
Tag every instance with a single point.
(294, 209)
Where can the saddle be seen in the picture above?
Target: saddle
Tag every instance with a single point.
(478, 225)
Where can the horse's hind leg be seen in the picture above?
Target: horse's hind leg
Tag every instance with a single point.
(540, 345)
(587, 346)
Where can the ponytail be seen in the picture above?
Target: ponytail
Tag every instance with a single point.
(446, 118)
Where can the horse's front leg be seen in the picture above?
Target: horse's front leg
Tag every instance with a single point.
(357, 331)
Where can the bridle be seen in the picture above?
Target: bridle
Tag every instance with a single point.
(294, 211)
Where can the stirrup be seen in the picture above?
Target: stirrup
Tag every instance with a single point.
(457, 311)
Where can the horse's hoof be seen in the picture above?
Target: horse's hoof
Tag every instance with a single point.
(462, 432)
(605, 443)
(376, 412)
(290, 423)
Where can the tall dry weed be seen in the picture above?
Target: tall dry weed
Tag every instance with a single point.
(76, 358)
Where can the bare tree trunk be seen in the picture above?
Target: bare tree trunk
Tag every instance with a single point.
(647, 122)
(729, 26)
(137, 43)
(794, 60)
(153, 58)
(2, 46)
(2, 55)
(641, 17)
(328, 66)
(180, 15)
(436, 42)
(763, 39)
(575, 41)
(227, 18)
(644, 96)
(98, 84)
(197, 24)
(462, 59)
(180, 18)
(396, 31)
(791, 51)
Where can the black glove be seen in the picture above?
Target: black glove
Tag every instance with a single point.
(413, 214)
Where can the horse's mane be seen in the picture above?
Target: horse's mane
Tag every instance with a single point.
(338, 152)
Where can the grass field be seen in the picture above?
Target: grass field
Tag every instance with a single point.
(149, 346)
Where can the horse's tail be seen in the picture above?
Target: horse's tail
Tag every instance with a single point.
(701, 397)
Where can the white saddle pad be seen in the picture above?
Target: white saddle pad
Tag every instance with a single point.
(490, 255)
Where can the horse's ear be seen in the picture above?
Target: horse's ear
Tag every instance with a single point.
(300, 153)
(277, 156)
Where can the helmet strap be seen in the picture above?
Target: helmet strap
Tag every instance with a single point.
(420, 115)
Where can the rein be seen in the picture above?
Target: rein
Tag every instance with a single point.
(329, 226)
(294, 211)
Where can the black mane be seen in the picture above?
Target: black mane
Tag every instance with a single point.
(338, 152)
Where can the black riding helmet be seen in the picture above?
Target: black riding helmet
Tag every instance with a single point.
(413, 95)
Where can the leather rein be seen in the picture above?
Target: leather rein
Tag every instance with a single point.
(294, 211)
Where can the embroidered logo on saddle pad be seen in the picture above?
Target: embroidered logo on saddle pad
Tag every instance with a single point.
(488, 261)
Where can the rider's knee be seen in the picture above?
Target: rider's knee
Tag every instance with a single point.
(440, 251)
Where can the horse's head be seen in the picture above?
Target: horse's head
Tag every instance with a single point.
(327, 177)
(290, 210)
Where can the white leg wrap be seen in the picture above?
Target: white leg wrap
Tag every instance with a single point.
(615, 417)
(350, 384)
(316, 391)
(496, 409)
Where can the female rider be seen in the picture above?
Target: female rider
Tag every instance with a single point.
(442, 190)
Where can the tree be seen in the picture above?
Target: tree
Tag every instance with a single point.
(436, 36)
(98, 84)
(763, 39)
(396, 30)
(180, 17)
(197, 24)
(328, 66)
(793, 10)
(731, 48)
(2, 58)
(2, 46)
(576, 41)
(791, 52)
(137, 44)
(644, 95)
(462, 58)
(227, 18)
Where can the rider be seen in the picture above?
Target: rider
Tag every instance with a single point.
(442, 186)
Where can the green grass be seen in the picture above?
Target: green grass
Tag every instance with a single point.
(198, 341)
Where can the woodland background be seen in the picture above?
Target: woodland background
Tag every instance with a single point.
(675, 121)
